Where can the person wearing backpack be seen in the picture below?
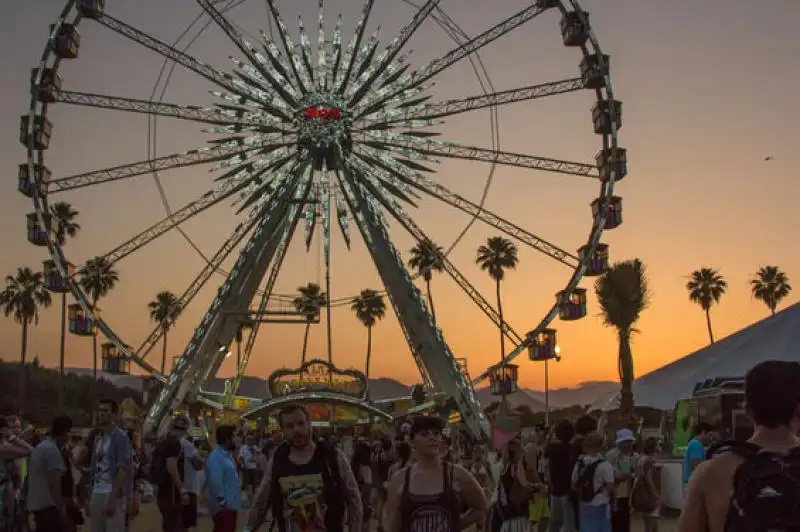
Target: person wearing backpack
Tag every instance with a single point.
(307, 485)
(753, 486)
(593, 483)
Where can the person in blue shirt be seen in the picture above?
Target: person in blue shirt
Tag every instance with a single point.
(223, 488)
(695, 451)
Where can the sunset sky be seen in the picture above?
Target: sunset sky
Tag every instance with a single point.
(709, 90)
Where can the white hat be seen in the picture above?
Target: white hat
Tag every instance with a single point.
(624, 435)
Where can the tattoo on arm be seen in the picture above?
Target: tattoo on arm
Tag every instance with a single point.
(261, 505)
(350, 490)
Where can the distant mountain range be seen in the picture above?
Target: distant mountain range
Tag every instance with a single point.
(586, 393)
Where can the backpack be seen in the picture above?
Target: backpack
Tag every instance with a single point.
(331, 476)
(766, 486)
(584, 486)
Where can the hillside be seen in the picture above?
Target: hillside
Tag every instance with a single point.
(386, 388)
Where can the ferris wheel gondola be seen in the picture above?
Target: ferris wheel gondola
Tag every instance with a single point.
(342, 136)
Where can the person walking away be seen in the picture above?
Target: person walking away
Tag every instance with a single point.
(248, 463)
(593, 483)
(167, 474)
(428, 495)
(46, 469)
(646, 495)
(361, 464)
(535, 455)
(384, 461)
(559, 478)
(307, 484)
(753, 486)
(192, 466)
(110, 471)
(623, 460)
(133, 503)
(695, 452)
(222, 484)
(583, 426)
(513, 493)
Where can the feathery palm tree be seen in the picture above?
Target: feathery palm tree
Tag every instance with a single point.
(623, 294)
(98, 277)
(770, 285)
(22, 297)
(309, 302)
(496, 256)
(426, 258)
(369, 307)
(706, 286)
(66, 227)
(164, 310)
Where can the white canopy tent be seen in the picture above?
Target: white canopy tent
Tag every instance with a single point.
(773, 338)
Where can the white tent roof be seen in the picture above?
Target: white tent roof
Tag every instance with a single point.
(774, 338)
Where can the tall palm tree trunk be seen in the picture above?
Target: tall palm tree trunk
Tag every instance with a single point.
(502, 335)
(94, 357)
(626, 377)
(238, 354)
(305, 342)
(430, 300)
(23, 369)
(62, 353)
(164, 351)
(369, 352)
(708, 324)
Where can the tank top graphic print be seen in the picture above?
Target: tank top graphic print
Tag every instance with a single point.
(431, 513)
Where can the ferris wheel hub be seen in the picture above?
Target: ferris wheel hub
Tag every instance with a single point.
(323, 124)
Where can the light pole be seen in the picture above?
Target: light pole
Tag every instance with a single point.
(557, 358)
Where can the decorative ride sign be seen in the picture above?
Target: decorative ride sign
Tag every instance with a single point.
(317, 376)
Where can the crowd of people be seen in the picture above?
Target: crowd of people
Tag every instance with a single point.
(562, 479)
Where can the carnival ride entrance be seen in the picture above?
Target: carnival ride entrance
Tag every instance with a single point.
(306, 137)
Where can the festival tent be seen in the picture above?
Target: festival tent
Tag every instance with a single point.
(773, 338)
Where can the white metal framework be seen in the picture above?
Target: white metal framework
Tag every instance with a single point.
(342, 132)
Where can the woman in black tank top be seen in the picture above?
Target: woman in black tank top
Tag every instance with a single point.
(440, 512)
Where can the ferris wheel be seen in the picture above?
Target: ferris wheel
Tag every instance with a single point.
(306, 137)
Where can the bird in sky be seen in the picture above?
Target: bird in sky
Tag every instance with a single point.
(769, 157)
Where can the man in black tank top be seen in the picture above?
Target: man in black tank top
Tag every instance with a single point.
(428, 496)
(307, 485)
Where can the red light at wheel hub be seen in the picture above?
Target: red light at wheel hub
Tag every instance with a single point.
(323, 113)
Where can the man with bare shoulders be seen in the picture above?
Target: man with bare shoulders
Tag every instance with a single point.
(307, 484)
(428, 496)
(754, 486)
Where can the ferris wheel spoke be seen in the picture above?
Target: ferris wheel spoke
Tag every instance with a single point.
(257, 60)
(353, 50)
(432, 354)
(212, 266)
(387, 94)
(208, 72)
(400, 117)
(300, 74)
(444, 194)
(429, 147)
(217, 115)
(205, 155)
(366, 81)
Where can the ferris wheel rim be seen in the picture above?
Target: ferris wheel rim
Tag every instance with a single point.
(35, 156)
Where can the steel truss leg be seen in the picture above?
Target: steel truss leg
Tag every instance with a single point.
(217, 331)
(426, 341)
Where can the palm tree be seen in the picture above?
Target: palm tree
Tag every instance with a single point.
(309, 302)
(496, 256)
(98, 277)
(426, 258)
(623, 294)
(770, 285)
(164, 310)
(22, 297)
(706, 286)
(369, 307)
(66, 227)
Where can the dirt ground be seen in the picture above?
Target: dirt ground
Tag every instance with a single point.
(150, 521)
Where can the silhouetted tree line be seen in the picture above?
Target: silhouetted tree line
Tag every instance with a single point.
(529, 418)
(42, 394)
